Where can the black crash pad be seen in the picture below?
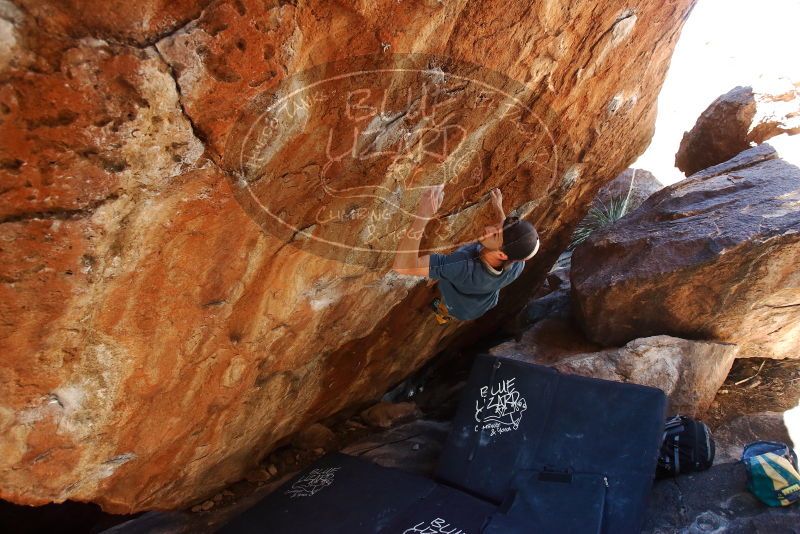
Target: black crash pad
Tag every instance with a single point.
(551, 502)
(338, 493)
(444, 510)
(344, 494)
(515, 416)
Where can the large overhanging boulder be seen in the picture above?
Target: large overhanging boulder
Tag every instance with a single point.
(712, 257)
(160, 331)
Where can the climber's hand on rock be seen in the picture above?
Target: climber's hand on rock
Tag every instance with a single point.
(497, 198)
(497, 204)
(430, 202)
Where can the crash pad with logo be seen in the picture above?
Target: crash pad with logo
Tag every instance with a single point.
(515, 416)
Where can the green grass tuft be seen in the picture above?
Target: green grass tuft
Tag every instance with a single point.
(600, 217)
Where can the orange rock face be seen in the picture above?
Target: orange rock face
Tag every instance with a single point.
(180, 294)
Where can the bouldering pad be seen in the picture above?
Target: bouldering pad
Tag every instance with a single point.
(515, 416)
(339, 493)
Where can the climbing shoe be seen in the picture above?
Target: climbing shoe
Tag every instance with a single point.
(440, 311)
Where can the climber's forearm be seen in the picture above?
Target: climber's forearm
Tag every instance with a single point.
(500, 214)
(497, 204)
(407, 256)
(407, 259)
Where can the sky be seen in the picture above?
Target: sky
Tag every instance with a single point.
(724, 43)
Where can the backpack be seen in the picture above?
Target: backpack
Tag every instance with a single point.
(687, 447)
(772, 472)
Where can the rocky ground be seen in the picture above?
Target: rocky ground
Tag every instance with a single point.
(747, 407)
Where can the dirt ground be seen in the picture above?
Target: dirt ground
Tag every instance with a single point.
(755, 385)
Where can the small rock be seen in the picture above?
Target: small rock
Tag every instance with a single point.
(206, 506)
(272, 470)
(724, 391)
(386, 414)
(258, 475)
(742, 117)
(217, 498)
(284, 456)
(352, 423)
(319, 450)
(689, 371)
(415, 447)
(196, 508)
(314, 437)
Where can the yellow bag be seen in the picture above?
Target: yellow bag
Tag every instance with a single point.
(772, 472)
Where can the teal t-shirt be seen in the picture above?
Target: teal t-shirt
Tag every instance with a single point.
(468, 288)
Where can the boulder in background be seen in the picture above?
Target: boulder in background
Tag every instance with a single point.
(712, 257)
(736, 121)
(689, 372)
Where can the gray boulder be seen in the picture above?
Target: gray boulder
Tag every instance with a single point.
(732, 436)
(712, 257)
(689, 372)
(639, 182)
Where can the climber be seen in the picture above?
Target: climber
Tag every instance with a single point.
(471, 277)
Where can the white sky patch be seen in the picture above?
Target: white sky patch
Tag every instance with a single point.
(791, 419)
(724, 43)
(788, 147)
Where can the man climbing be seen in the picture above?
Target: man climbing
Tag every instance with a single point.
(470, 279)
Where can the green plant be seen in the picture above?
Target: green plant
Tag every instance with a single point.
(602, 216)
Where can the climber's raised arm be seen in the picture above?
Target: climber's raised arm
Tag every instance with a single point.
(497, 203)
(407, 259)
